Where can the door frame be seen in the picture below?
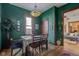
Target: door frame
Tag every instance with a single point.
(74, 8)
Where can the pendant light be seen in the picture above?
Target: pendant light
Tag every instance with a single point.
(35, 12)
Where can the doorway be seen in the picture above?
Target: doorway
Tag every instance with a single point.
(71, 30)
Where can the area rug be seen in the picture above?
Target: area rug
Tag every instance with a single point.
(67, 53)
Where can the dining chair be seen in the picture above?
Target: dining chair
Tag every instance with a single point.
(44, 41)
(15, 44)
(35, 45)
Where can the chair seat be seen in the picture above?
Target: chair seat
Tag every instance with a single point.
(35, 44)
(43, 42)
(16, 45)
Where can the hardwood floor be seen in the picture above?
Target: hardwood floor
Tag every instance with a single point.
(5, 52)
(69, 46)
(55, 52)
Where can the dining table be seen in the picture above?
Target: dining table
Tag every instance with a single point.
(26, 41)
(30, 39)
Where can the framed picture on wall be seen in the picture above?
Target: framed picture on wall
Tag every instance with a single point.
(73, 26)
(36, 26)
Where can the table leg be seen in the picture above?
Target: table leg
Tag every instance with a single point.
(46, 44)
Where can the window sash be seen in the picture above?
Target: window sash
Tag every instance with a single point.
(28, 25)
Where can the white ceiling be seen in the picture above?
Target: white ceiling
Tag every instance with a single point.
(40, 6)
(72, 15)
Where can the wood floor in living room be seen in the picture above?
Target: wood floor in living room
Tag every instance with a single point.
(69, 49)
(71, 46)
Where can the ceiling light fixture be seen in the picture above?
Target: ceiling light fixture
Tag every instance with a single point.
(35, 13)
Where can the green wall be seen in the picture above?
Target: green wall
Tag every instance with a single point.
(0, 26)
(50, 16)
(61, 10)
(14, 14)
(37, 21)
(0, 12)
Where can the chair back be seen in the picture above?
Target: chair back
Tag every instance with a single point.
(44, 36)
(36, 38)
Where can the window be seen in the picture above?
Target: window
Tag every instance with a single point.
(28, 25)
